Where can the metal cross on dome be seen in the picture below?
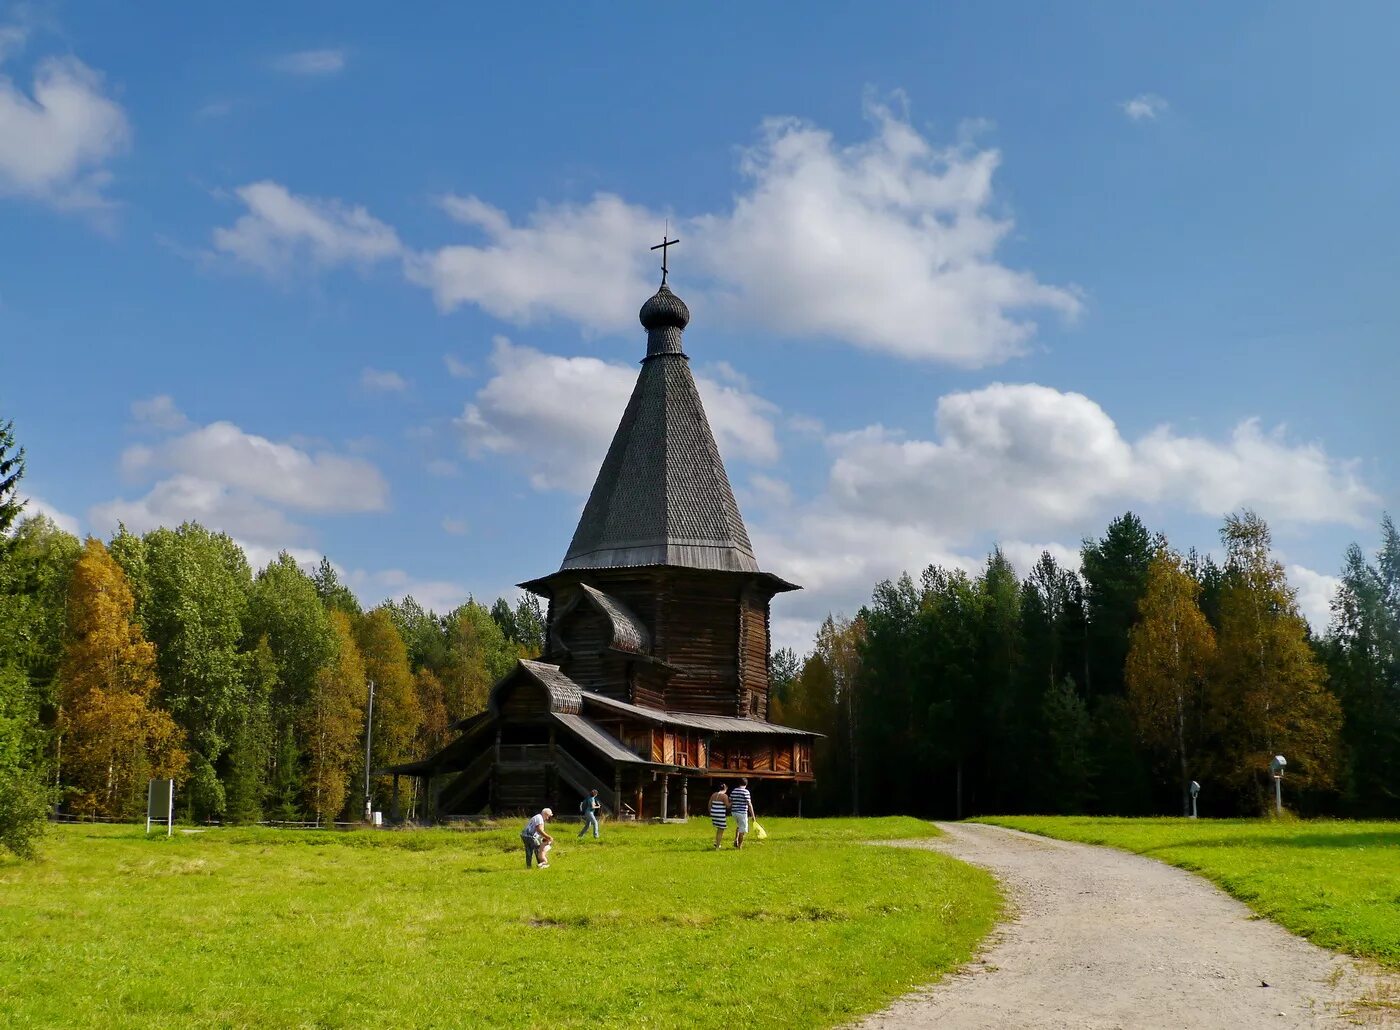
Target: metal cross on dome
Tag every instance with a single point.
(663, 246)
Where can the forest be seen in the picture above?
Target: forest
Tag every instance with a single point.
(1106, 689)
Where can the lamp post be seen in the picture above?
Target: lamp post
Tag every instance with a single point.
(1276, 767)
(1195, 789)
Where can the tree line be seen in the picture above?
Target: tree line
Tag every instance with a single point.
(165, 655)
(1110, 688)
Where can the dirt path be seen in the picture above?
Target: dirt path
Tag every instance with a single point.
(1100, 938)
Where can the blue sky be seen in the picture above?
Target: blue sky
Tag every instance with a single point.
(960, 274)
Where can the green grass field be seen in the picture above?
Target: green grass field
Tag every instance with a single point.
(442, 928)
(1336, 883)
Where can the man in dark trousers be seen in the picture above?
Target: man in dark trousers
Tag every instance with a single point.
(590, 806)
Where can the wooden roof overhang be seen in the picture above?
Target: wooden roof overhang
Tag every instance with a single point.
(686, 720)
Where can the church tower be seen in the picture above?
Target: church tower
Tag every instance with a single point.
(656, 664)
(659, 600)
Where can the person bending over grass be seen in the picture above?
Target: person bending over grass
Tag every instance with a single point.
(719, 813)
(741, 804)
(537, 839)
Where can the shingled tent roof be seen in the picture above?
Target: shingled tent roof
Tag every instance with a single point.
(662, 496)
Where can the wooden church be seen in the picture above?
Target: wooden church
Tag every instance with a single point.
(655, 669)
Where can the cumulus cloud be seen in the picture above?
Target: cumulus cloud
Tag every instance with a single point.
(1025, 457)
(378, 380)
(311, 62)
(57, 139)
(1315, 593)
(159, 412)
(38, 506)
(276, 472)
(1030, 468)
(1143, 107)
(282, 231)
(556, 415)
(583, 262)
(890, 244)
(184, 498)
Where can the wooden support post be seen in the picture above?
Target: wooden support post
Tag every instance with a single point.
(394, 804)
(685, 797)
(665, 795)
(799, 801)
(641, 798)
(617, 792)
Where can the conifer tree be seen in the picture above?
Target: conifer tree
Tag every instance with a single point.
(11, 472)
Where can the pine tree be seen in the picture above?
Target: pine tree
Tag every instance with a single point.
(1115, 578)
(1363, 654)
(1170, 654)
(11, 472)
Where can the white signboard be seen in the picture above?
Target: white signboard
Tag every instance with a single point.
(160, 804)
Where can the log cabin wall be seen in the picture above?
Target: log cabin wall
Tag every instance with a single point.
(753, 655)
(699, 636)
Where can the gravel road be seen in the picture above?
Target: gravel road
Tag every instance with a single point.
(1100, 938)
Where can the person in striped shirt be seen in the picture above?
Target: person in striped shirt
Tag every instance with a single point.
(741, 804)
(719, 813)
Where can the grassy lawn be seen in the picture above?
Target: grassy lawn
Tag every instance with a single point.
(445, 928)
(1336, 883)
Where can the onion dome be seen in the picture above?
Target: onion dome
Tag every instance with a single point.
(664, 311)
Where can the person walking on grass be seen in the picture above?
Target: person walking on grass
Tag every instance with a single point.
(536, 839)
(719, 813)
(741, 804)
(589, 807)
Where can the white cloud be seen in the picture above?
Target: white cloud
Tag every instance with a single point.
(588, 263)
(1315, 593)
(1024, 458)
(56, 140)
(456, 367)
(383, 381)
(159, 412)
(889, 244)
(1022, 464)
(38, 506)
(184, 498)
(456, 527)
(1144, 106)
(373, 588)
(311, 62)
(282, 231)
(556, 415)
(442, 468)
(277, 472)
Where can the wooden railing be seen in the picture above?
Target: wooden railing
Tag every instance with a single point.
(573, 772)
